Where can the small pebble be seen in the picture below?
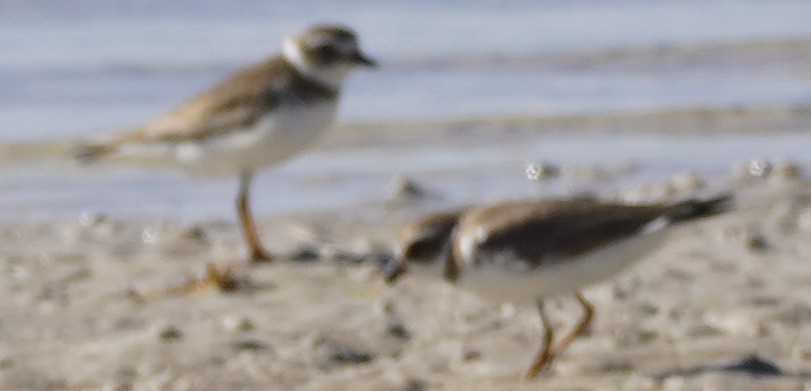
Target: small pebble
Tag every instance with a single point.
(169, 333)
(404, 188)
(90, 219)
(348, 257)
(787, 170)
(760, 168)
(702, 330)
(347, 355)
(757, 242)
(471, 355)
(540, 171)
(616, 365)
(149, 236)
(305, 253)
(196, 233)
(752, 169)
(331, 353)
(647, 309)
(388, 307)
(237, 324)
(250, 344)
(398, 330)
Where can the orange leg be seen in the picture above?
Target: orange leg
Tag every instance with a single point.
(544, 356)
(257, 253)
(579, 329)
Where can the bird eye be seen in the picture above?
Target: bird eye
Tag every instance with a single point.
(326, 53)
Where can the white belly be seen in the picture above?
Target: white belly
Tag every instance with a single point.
(273, 139)
(566, 277)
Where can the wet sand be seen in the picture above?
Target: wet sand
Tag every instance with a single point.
(92, 303)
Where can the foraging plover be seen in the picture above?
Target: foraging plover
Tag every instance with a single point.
(529, 250)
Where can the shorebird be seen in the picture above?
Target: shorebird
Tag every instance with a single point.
(529, 250)
(259, 116)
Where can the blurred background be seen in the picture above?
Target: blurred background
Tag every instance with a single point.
(77, 69)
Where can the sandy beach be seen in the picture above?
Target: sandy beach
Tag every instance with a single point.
(634, 101)
(95, 302)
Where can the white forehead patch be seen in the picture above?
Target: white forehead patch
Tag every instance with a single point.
(292, 53)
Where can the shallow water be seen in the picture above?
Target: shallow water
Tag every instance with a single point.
(81, 68)
(332, 180)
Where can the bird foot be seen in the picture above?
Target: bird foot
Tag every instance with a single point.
(225, 280)
(258, 255)
(539, 368)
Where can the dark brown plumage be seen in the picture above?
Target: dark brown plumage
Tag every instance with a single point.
(538, 232)
(535, 248)
(236, 103)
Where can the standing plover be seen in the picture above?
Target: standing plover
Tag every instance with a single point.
(524, 251)
(259, 116)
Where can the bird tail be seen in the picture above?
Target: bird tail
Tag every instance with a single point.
(694, 209)
(91, 152)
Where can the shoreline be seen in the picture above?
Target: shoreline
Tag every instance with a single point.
(452, 161)
(687, 121)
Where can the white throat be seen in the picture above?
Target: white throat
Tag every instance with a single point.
(332, 76)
